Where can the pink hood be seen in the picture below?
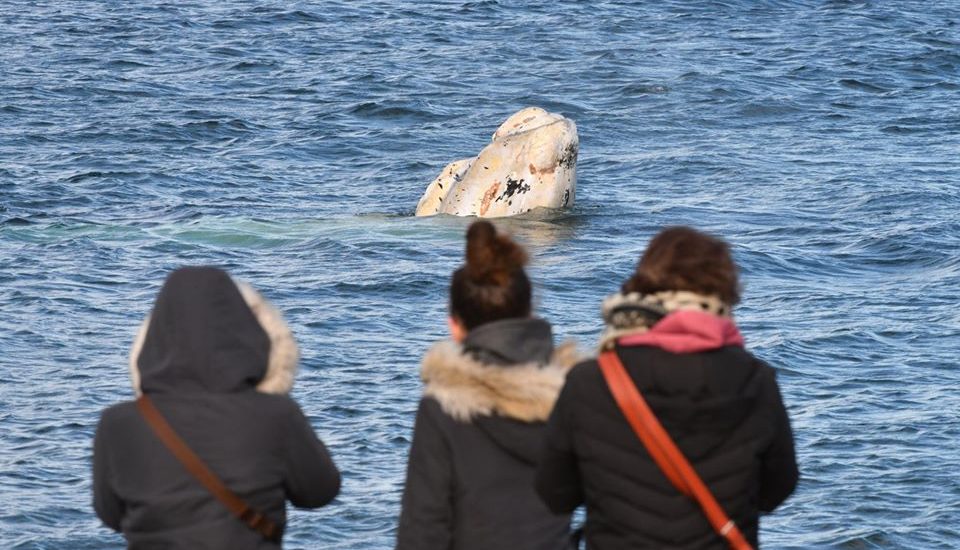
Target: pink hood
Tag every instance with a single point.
(688, 331)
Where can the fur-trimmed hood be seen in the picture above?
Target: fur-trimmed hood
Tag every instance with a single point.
(467, 388)
(276, 372)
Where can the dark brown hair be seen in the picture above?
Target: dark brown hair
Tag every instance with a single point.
(492, 285)
(682, 258)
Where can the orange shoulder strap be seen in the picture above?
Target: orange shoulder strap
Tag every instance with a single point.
(664, 451)
(252, 518)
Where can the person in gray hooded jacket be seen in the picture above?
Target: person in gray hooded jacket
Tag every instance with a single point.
(480, 425)
(217, 360)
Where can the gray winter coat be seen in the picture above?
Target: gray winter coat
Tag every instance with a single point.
(207, 357)
(477, 440)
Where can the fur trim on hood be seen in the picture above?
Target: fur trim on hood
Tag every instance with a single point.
(284, 353)
(466, 388)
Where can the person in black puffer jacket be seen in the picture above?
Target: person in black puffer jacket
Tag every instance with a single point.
(217, 361)
(672, 328)
(479, 427)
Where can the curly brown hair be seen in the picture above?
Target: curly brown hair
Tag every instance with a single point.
(682, 258)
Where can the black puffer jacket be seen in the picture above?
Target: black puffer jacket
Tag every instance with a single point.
(201, 361)
(477, 439)
(722, 408)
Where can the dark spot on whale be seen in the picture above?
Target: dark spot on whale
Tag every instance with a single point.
(569, 156)
(514, 187)
(566, 198)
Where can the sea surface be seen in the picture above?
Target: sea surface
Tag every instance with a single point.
(289, 142)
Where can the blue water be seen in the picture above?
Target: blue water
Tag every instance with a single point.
(290, 142)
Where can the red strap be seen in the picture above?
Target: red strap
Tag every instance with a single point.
(254, 519)
(664, 451)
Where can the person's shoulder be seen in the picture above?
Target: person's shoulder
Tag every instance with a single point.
(584, 371)
(118, 416)
(740, 359)
(431, 407)
(762, 367)
(764, 379)
(583, 380)
(119, 412)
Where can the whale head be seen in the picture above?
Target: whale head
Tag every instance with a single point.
(530, 163)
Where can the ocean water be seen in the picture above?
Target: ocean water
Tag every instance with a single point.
(290, 141)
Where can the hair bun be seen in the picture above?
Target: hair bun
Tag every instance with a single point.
(492, 258)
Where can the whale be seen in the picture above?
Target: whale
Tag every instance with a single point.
(531, 162)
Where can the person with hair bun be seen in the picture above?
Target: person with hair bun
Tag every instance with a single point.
(479, 426)
(670, 335)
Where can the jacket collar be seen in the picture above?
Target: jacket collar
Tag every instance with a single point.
(633, 313)
(688, 331)
(467, 388)
(511, 342)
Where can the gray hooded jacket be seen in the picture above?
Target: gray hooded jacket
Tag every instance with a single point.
(207, 356)
(477, 439)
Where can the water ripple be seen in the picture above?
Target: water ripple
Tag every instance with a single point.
(289, 143)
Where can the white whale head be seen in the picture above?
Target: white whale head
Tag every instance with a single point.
(531, 163)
